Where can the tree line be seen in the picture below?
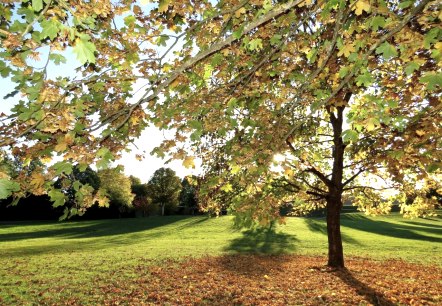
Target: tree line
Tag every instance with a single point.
(164, 194)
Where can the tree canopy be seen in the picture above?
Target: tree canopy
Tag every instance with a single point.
(340, 90)
(164, 189)
(117, 187)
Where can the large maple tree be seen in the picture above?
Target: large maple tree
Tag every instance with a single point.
(345, 92)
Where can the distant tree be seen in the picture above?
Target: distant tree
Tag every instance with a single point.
(118, 187)
(188, 195)
(134, 180)
(80, 183)
(142, 202)
(164, 189)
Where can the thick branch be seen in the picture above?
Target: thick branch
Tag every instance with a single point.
(320, 175)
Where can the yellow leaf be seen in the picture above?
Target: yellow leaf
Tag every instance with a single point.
(3, 175)
(239, 12)
(37, 180)
(288, 172)
(347, 50)
(163, 6)
(144, 2)
(420, 132)
(305, 2)
(174, 84)
(361, 6)
(61, 146)
(189, 162)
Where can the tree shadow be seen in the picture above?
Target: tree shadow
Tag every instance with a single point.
(422, 225)
(404, 230)
(319, 225)
(99, 228)
(373, 296)
(254, 265)
(262, 241)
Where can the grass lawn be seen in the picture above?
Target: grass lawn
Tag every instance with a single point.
(80, 262)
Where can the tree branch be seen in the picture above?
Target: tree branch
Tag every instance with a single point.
(353, 177)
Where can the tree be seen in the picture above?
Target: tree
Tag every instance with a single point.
(341, 89)
(142, 202)
(117, 186)
(78, 187)
(188, 195)
(164, 189)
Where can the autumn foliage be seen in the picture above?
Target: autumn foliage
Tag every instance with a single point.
(270, 280)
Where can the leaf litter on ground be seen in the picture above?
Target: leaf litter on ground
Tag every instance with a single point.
(271, 280)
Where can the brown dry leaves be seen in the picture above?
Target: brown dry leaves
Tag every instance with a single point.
(279, 280)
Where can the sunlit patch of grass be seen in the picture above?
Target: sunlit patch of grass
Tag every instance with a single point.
(70, 261)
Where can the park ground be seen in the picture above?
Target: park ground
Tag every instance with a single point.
(180, 260)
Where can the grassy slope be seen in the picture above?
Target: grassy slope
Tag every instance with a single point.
(34, 256)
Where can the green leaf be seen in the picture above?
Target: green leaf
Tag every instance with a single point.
(275, 40)
(162, 40)
(433, 167)
(57, 58)
(432, 79)
(350, 136)
(37, 5)
(129, 20)
(84, 50)
(207, 71)
(343, 72)
(238, 33)
(217, 59)
(62, 167)
(106, 157)
(227, 187)
(364, 79)
(377, 22)
(7, 187)
(388, 51)
(57, 197)
(411, 67)
(255, 44)
(405, 4)
(50, 28)
(431, 37)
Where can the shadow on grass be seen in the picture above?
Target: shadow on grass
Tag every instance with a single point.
(373, 296)
(263, 241)
(319, 225)
(116, 233)
(101, 228)
(405, 230)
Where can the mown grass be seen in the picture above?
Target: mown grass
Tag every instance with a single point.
(78, 257)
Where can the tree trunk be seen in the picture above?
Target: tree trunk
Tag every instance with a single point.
(162, 210)
(334, 197)
(335, 250)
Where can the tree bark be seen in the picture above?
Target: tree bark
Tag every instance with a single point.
(335, 190)
(335, 250)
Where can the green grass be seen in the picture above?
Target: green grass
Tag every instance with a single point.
(76, 256)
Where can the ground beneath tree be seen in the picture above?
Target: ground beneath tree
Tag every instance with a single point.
(275, 280)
